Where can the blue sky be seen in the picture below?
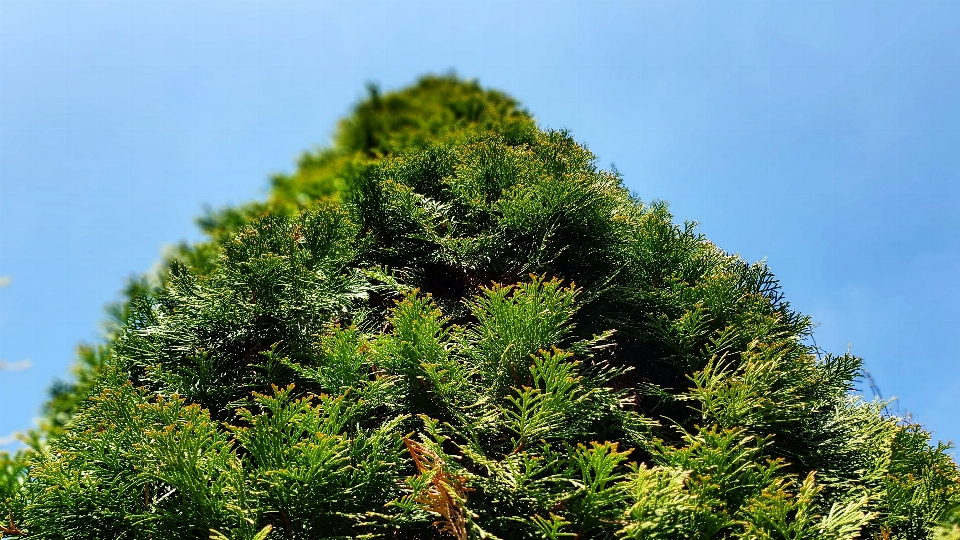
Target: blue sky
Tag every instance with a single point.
(820, 135)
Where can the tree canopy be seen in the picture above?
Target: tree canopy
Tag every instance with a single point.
(452, 323)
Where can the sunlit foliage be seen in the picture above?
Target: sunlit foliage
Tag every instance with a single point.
(453, 324)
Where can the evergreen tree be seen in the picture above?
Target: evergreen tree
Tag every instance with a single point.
(451, 323)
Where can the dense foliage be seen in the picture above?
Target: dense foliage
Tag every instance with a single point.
(452, 323)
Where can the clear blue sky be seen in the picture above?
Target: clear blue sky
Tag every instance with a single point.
(823, 136)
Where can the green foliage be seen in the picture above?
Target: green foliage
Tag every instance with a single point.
(452, 323)
(660, 505)
(435, 108)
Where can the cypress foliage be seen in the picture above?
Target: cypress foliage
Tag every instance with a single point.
(451, 323)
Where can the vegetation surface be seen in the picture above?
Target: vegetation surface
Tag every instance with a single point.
(452, 323)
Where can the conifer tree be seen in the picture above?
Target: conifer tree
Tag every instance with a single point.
(452, 323)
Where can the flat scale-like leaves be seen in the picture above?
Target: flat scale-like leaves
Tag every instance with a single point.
(453, 324)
